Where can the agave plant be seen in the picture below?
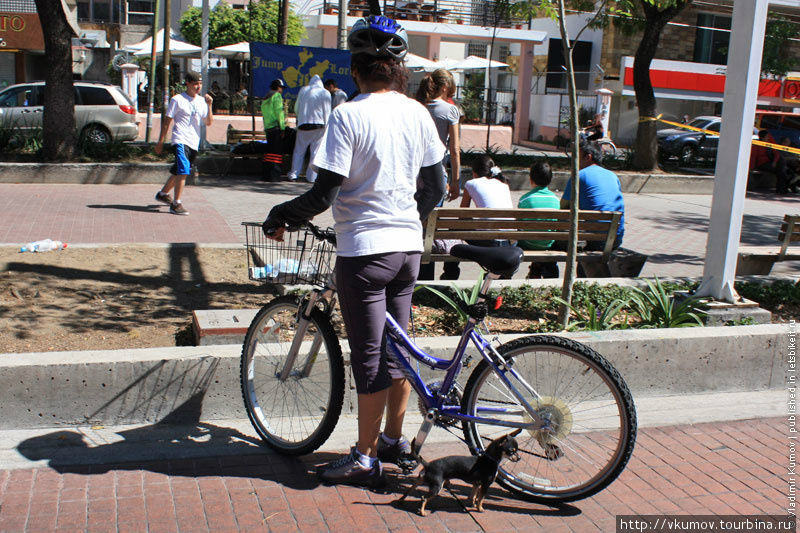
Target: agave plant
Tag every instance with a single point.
(592, 319)
(658, 309)
(467, 297)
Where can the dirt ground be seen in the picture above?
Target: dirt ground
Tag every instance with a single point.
(116, 297)
(138, 297)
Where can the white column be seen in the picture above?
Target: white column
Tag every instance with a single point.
(733, 157)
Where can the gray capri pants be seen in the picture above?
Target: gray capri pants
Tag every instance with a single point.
(369, 286)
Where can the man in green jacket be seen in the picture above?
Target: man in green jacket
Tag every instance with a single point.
(274, 124)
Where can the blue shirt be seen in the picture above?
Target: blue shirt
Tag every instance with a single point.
(599, 190)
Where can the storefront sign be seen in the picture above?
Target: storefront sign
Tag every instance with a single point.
(690, 81)
(20, 31)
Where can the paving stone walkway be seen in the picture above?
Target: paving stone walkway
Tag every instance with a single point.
(716, 468)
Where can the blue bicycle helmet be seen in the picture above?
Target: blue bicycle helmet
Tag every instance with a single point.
(378, 36)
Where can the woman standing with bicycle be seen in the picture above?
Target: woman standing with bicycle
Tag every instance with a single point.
(373, 149)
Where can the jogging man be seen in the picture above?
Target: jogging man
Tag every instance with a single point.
(187, 110)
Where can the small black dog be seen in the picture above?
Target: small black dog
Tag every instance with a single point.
(481, 471)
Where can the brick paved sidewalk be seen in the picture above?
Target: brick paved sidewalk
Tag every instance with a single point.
(720, 468)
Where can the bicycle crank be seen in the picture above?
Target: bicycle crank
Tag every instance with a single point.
(452, 398)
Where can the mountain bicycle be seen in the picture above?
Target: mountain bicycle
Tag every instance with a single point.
(576, 412)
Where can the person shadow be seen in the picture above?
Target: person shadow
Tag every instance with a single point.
(152, 208)
(179, 444)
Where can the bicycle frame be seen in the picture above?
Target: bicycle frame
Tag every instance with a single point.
(435, 404)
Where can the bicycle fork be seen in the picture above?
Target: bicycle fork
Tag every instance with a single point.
(303, 320)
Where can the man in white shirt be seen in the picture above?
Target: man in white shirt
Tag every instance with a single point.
(186, 110)
(338, 96)
(313, 106)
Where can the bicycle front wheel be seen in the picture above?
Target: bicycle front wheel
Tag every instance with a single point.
(296, 415)
(592, 420)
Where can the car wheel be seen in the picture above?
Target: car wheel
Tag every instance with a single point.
(96, 135)
(688, 155)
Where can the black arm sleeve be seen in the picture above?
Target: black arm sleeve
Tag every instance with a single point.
(309, 204)
(431, 191)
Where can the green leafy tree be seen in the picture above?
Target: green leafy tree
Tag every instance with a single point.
(229, 26)
(779, 34)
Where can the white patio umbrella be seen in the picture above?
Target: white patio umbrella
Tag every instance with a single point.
(233, 51)
(475, 62)
(446, 63)
(414, 61)
(177, 46)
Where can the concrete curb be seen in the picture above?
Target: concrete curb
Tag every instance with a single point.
(155, 173)
(154, 384)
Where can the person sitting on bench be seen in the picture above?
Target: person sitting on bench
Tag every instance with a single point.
(540, 197)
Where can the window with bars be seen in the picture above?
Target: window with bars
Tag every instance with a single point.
(476, 49)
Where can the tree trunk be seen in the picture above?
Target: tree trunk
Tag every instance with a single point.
(572, 247)
(283, 28)
(58, 123)
(645, 147)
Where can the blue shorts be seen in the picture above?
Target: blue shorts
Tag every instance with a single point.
(184, 157)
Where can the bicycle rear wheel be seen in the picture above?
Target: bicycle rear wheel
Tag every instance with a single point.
(590, 409)
(297, 415)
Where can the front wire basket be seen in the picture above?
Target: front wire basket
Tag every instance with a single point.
(301, 258)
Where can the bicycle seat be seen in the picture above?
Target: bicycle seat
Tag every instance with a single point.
(502, 260)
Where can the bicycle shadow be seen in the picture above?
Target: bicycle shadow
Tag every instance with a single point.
(171, 446)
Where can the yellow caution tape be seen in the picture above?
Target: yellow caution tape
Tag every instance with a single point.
(774, 146)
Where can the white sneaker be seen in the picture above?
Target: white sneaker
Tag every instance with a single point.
(292, 177)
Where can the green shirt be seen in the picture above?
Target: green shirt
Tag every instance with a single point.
(272, 111)
(538, 198)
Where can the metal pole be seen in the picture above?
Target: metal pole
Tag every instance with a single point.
(151, 83)
(250, 96)
(341, 29)
(204, 66)
(730, 181)
(165, 58)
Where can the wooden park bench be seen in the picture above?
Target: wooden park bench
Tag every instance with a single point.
(234, 137)
(760, 259)
(477, 224)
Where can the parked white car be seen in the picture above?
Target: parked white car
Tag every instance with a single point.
(103, 113)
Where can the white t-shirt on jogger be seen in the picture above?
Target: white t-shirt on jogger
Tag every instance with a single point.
(187, 115)
(378, 142)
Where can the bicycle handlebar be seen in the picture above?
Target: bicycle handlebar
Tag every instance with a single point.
(327, 234)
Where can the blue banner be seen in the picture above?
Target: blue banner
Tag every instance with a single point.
(296, 65)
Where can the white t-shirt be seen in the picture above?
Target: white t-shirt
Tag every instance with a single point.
(378, 142)
(187, 115)
(489, 192)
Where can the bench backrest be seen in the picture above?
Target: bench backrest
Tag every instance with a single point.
(235, 136)
(519, 225)
(789, 232)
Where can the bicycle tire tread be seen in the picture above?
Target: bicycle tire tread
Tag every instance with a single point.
(337, 378)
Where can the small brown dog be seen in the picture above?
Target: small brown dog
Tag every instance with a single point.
(481, 471)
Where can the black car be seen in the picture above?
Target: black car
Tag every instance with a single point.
(688, 145)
